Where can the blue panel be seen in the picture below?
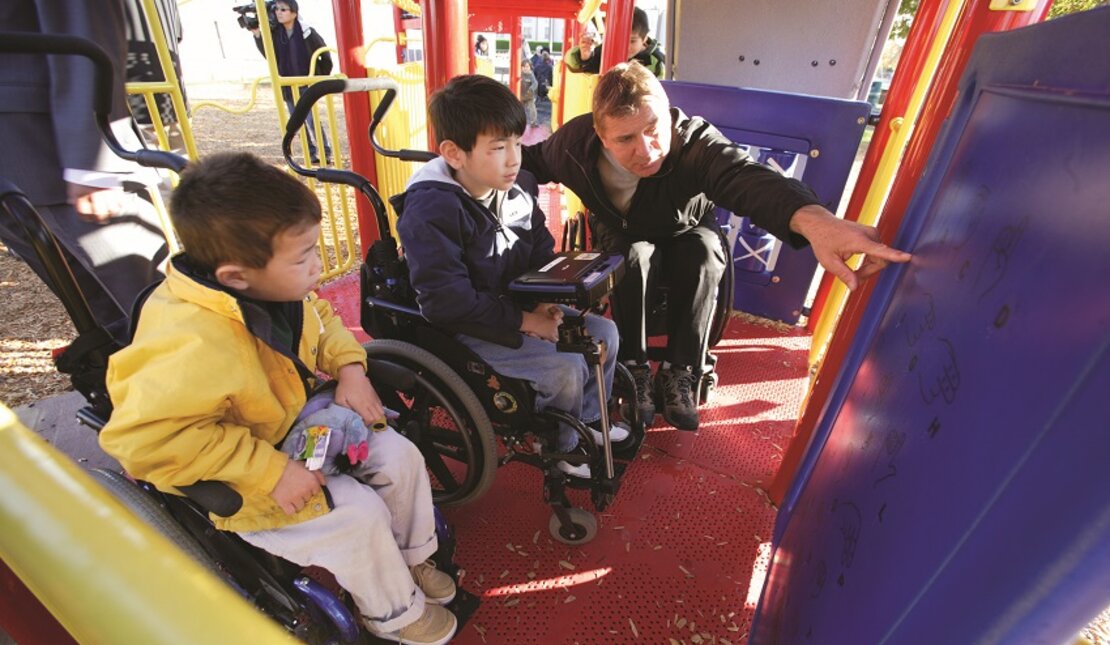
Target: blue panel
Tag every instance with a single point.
(814, 139)
(955, 490)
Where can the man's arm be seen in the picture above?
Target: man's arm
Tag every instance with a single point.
(835, 240)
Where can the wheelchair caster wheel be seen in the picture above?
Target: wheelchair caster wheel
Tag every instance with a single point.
(582, 528)
(706, 387)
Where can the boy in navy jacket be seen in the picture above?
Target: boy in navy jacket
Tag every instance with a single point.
(469, 224)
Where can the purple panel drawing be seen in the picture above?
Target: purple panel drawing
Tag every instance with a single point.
(955, 489)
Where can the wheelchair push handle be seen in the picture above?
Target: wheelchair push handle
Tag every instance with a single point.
(14, 42)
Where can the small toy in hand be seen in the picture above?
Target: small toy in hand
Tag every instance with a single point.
(329, 437)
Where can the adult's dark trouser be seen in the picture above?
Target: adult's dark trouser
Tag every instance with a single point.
(691, 265)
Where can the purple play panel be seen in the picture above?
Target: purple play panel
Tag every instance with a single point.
(955, 490)
(811, 138)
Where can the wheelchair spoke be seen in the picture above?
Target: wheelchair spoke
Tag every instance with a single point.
(441, 472)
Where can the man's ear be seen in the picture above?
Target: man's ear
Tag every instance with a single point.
(452, 153)
(232, 276)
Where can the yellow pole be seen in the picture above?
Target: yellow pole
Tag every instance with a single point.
(902, 128)
(105, 575)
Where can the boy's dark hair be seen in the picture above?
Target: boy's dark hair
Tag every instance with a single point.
(230, 206)
(640, 22)
(472, 105)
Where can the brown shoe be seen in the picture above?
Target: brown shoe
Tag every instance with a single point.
(438, 587)
(436, 626)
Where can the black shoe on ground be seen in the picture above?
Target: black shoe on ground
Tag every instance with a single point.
(676, 388)
(645, 393)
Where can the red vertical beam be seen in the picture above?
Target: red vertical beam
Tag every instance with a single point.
(516, 41)
(923, 34)
(976, 19)
(356, 109)
(444, 23)
(618, 29)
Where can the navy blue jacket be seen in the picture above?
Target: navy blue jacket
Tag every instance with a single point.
(461, 255)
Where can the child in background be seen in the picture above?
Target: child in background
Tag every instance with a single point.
(528, 86)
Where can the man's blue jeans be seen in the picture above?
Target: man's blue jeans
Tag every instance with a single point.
(562, 380)
(310, 134)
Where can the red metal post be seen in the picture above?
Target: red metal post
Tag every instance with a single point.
(516, 42)
(920, 41)
(976, 19)
(444, 23)
(356, 109)
(618, 29)
(399, 32)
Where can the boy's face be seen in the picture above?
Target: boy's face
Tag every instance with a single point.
(493, 162)
(640, 141)
(636, 44)
(292, 272)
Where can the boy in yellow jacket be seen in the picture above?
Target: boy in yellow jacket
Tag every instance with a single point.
(224, 355)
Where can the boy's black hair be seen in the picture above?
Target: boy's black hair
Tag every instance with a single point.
(472, 105)
(640, 22)
(229, 207)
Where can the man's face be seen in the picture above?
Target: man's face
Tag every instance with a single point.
(640, 141)
(636, 44)
(292, 272)
(285, 15)
(493, 162)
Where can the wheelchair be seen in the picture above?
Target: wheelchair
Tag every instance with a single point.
(466, 418)
(577, 235)
(306, 601)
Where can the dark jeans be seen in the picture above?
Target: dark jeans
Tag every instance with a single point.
(691, 265)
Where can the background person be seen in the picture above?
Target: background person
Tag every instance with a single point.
(294, 42)
(53, 151)
(586, 57)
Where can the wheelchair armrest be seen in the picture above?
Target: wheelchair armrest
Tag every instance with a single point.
(215, 497)
(510, 339)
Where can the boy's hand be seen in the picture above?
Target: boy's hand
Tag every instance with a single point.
(296, 486)
(542, 322)
(356, 393)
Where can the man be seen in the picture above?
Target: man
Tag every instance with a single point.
(90, 199)
(651, 176)
(294, 41)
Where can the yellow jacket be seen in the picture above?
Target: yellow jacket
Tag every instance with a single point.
(198, 396)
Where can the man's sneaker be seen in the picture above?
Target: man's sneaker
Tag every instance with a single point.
(675, 387)
(645, 393)
(618, 432)
(435, 626)
(581, 471)
(438, 587)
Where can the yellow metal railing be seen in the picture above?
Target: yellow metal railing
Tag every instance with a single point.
(170, 86)
(104, 574)
(405, 126)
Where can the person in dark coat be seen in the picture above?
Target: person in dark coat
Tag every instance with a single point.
(294, 42)
(651, 176)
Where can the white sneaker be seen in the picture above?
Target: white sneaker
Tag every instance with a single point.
(581, 472)
(618, 432)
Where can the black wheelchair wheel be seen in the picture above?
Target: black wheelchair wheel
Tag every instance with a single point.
(153, 513)
(444, 418)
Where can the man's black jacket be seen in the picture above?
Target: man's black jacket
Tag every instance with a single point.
(702, 169)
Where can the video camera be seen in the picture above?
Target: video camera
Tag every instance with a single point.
(248, 15)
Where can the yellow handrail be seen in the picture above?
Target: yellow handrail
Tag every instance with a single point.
(104, 574)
